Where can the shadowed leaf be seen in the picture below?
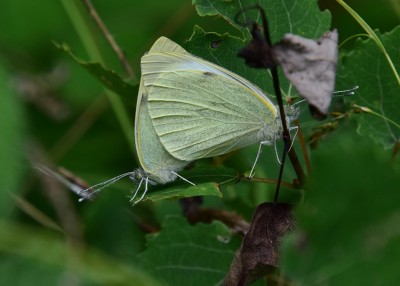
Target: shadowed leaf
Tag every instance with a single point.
(348, 229)
(183, 254)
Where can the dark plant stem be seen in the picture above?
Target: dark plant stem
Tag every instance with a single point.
(286, 134)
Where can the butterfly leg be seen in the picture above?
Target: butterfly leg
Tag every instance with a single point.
(291, 143)
(137, 190)
(146, 185)
(182, 178)
(98, 187)
(262, 143)
(294, 136)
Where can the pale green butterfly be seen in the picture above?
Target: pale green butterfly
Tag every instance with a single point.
(189, 108)
(199, 109)
(157, 165)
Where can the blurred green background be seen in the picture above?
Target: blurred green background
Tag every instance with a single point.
(52, 110)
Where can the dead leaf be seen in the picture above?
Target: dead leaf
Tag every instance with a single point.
(258, 255)
(310, 65)
(257, 54)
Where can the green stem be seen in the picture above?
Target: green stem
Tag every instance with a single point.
(78, 17)
(372, 34)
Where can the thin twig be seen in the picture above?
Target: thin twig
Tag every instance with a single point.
(269, 181)
(286, 134)
(121, 55)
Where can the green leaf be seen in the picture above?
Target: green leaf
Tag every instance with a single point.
(184, 254)
(301, 17)
(208, 189)
(50, 255)
(110, 79)
(379, 91)
(42, 274)
(201, 176)
(348, 227)
(11, 144)
(371, 34)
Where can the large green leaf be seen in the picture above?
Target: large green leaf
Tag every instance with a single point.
(301, 17)
(348, 227)
(298, 17)
(184, 254)
(379, 91)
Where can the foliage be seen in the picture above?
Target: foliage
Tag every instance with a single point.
(54, 111)
(367, 67)
(349, 230)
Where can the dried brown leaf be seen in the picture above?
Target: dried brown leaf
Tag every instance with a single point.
(258, 255)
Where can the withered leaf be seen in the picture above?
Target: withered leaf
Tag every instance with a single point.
(310, 65)
(258, 255)
(257, 54)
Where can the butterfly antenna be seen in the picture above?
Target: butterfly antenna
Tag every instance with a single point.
(346, 92)
(105, 184)
(298, 102)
